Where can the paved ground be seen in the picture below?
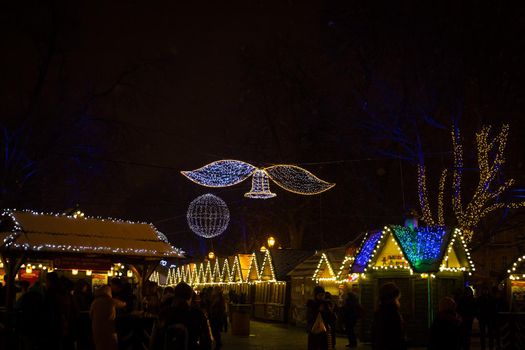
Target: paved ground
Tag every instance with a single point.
(269, 336)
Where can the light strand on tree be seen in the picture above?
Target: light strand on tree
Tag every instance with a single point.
(423, 195)
(489, 169)
(441, 198)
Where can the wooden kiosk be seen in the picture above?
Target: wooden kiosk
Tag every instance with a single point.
(77, 246)
(426, 263)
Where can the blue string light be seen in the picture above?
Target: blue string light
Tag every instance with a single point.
(221, 173)
(366, 251)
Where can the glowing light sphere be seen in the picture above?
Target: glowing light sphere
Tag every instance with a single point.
(208, 216)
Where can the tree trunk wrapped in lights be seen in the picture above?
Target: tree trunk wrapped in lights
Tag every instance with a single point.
(491, 158)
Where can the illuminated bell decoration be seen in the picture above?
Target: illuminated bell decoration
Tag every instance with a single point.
(211, 255)
(260, 186)
(74, 272)
(129, 273)
(271, 242)
(89, 272)
(225, 173)
(208, 216)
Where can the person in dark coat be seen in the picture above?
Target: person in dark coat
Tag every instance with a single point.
(487, 308)
(315, 307)
(467, 311)
(351, 312)
(217, 314)
(388, 331)
(187, 322)
(445, 332)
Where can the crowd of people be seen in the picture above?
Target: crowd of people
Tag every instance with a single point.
(60, 314)
(451, 328)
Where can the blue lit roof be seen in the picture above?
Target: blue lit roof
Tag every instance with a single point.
(365, 252)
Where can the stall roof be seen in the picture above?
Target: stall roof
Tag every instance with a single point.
(423, 248)
(49, 233)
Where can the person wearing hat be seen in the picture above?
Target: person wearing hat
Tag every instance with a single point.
(387, 329)
(319, 317)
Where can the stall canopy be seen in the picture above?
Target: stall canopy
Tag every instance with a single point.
(35, 233)
(420, 250)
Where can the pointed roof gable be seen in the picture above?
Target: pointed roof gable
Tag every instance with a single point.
(252, 274)
(236, 271)
(201, 278)
(345, 268)
(456, 256)
(225, 273)
(216, 273)
(267, 272)
(208, 277)
(324, 270)
(421, 249)
(366, 251)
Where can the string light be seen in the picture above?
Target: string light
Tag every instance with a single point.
(267, 262)
(347, 264)
(208, 216)
(225, 274)
(221, 173)
(292, 178)
(260, 186)
(441, 200)
(236, 273)
(324, 259)
(365, 251)
(486, 194)
(297, 180)
(217, 277)
(18, 229)
(155, 277)
(423, 195)
(516, 269)
(422, 246)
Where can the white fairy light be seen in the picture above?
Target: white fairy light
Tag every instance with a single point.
(260, 186)
(208, 216)
(10, 240)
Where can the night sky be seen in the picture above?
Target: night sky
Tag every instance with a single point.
(103, 103)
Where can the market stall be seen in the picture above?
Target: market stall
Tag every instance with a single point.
(426, 263)
(75, 246)
(321, 268)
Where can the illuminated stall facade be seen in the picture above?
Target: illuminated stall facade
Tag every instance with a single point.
(325, 268)
(426, 263)
(76, 246)
(260, 277)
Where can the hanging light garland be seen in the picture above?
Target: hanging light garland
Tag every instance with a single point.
(292, 178)
(514, 270)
